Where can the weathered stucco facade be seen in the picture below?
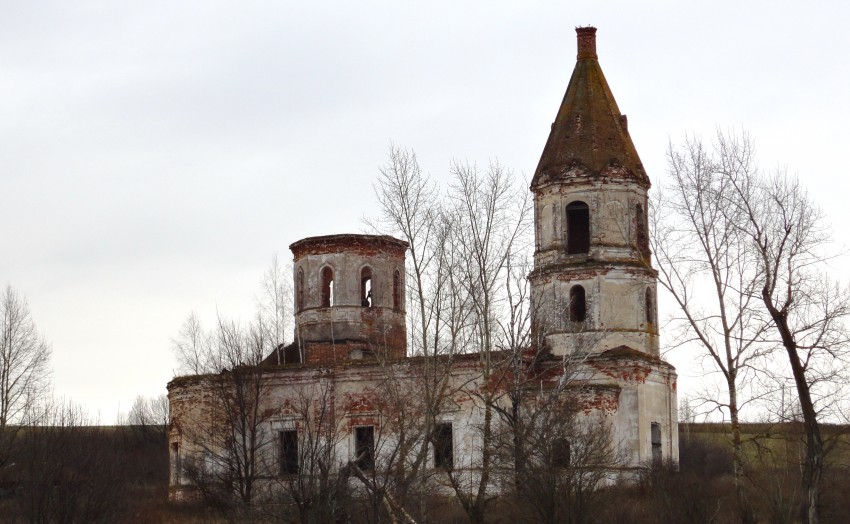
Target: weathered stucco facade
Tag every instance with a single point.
(346, 384)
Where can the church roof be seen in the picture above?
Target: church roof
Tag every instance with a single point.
(589, 132)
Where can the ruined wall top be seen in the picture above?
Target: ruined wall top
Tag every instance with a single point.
(365, 245)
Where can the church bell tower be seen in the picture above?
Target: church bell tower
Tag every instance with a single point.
(593, 286)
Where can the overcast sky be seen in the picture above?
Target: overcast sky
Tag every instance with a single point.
(154, 156)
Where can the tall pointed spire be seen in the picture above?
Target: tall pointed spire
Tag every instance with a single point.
(589, 136)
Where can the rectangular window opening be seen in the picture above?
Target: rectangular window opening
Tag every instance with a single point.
(578, 228)
(655, 434)
(443, 446)
(289, 452)
(364, 447)
(561, 453)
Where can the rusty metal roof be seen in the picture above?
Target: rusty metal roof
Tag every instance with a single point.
(589, 131)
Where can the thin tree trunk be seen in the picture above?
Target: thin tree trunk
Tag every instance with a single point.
(738, 455)
(813, 465)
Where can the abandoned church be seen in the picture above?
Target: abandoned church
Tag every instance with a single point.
(349, 397)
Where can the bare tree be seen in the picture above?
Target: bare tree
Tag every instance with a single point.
(397, 476)
(312, 479)
(807, 309)
(68, 468)
(554, 458)
(149, 417)
(489, 220)
(149, 411)
(409, 207)
(231, 456)
(706, 264)
(276, 302)
(230, 453)
(568, 459)
(24, 366)
(461, 250)
(192, 347)
(761, 240)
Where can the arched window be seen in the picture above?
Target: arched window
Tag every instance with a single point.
(578, 228)
(396, 290)
(642, 234)
(366, 299)
(578, 306)
(649, 304)
(327, 287)
(299, 290)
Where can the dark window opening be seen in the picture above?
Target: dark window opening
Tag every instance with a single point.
(291, 354)
(299, 299)
(650, 307)
(443, 446)
(655, 434)
(578, 228)
(175, 463)
(366, 299)
(289, 452)
(642, 236)
(327, 287)
(561, 453)
(364, 448)
(578, 305)
(396, 290)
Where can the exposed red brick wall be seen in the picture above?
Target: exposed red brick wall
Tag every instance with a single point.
(586, 42)
(331, 352)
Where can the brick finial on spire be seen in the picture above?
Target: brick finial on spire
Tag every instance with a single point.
(586, 42)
